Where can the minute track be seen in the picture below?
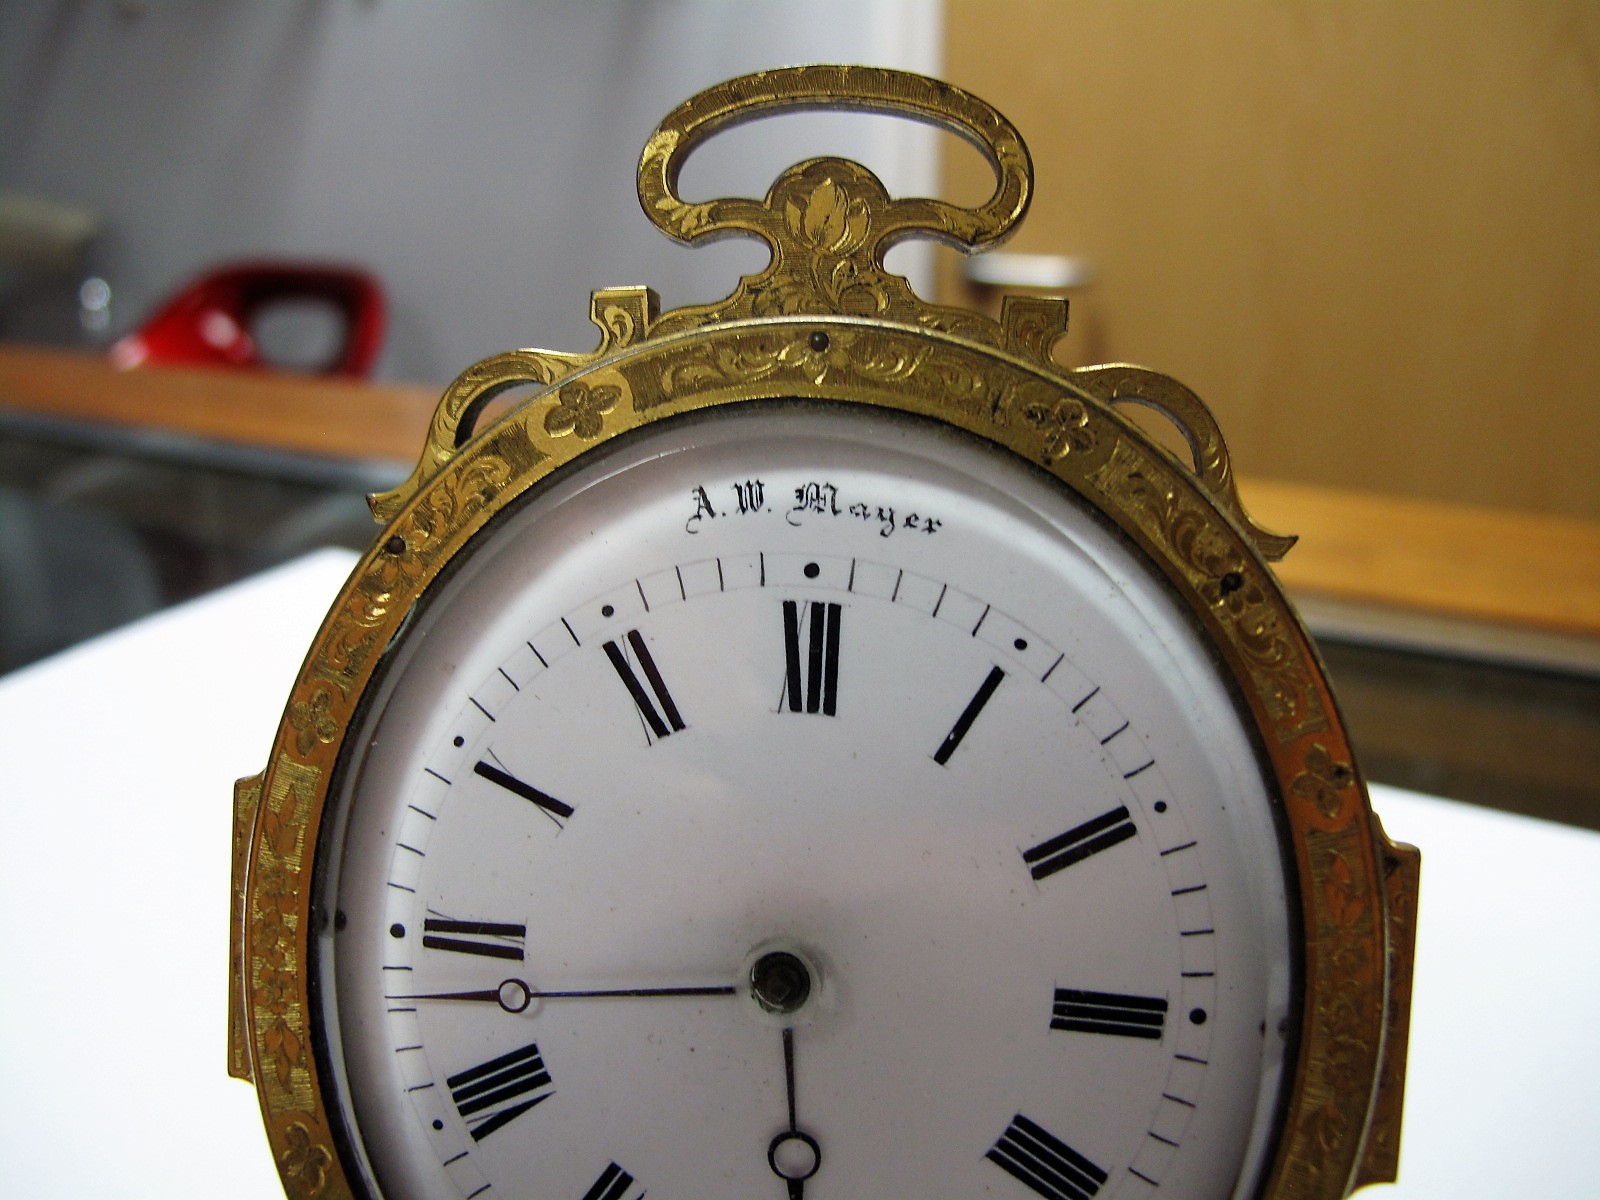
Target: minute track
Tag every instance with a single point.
(1042, 674)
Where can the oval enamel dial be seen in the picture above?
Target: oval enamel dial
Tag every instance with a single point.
(802, 803)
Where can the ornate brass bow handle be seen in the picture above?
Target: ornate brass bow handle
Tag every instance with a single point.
(795, 217)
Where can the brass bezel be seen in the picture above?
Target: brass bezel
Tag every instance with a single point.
(825, 321)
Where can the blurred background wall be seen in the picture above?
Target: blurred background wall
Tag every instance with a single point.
(1367, 233)
(478, 155)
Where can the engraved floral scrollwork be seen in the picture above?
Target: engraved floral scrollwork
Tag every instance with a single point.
(828, 216)
(829, 212)
(275, 991)
(818, 356)
(829, 222)
(823, 225)
(313, 721)
(622, 315)
(1344, 897)
(303, 1159)
(964, 387)
(1268, 646)
(460, 495)
(812, 357)
(282, 825)
(413, 549)
(580, 409)
(1349, 1053)
(1119, 384)
(275, 917)
(280, 1040)
(343, 657)
(1064, 421)
(1325, 784)
(881, 360)
(827, 225)
(1217, 568)
(1330, 1130)
(246, 808)
(1032, 324)
(1210, 554)
(701, 365)
(1343, 1026)
(274, 886)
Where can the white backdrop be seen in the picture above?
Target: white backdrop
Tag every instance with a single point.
(116, 767)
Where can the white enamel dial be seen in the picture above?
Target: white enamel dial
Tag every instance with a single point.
(883, 820)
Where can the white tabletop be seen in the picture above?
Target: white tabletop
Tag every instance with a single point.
(117, 761)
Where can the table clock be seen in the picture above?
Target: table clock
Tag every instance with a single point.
(815, 746)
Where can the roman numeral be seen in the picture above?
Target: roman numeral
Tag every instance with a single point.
(500, 1090)
(491, 939)
(1077, 844)
(811, 684)
(1045, 1163)
(1108, 1012)
(968, 716)
(613, 1184)
(555, 809)
(661, 721)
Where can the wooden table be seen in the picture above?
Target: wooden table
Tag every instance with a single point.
(1505, 575)
(1508, 568)
(327, 418)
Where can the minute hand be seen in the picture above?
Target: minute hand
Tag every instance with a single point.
(716, 990)
(514, 995)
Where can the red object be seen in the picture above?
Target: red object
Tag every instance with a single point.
(209, 322)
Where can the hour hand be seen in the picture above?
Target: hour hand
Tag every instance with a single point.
(794, 1154)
